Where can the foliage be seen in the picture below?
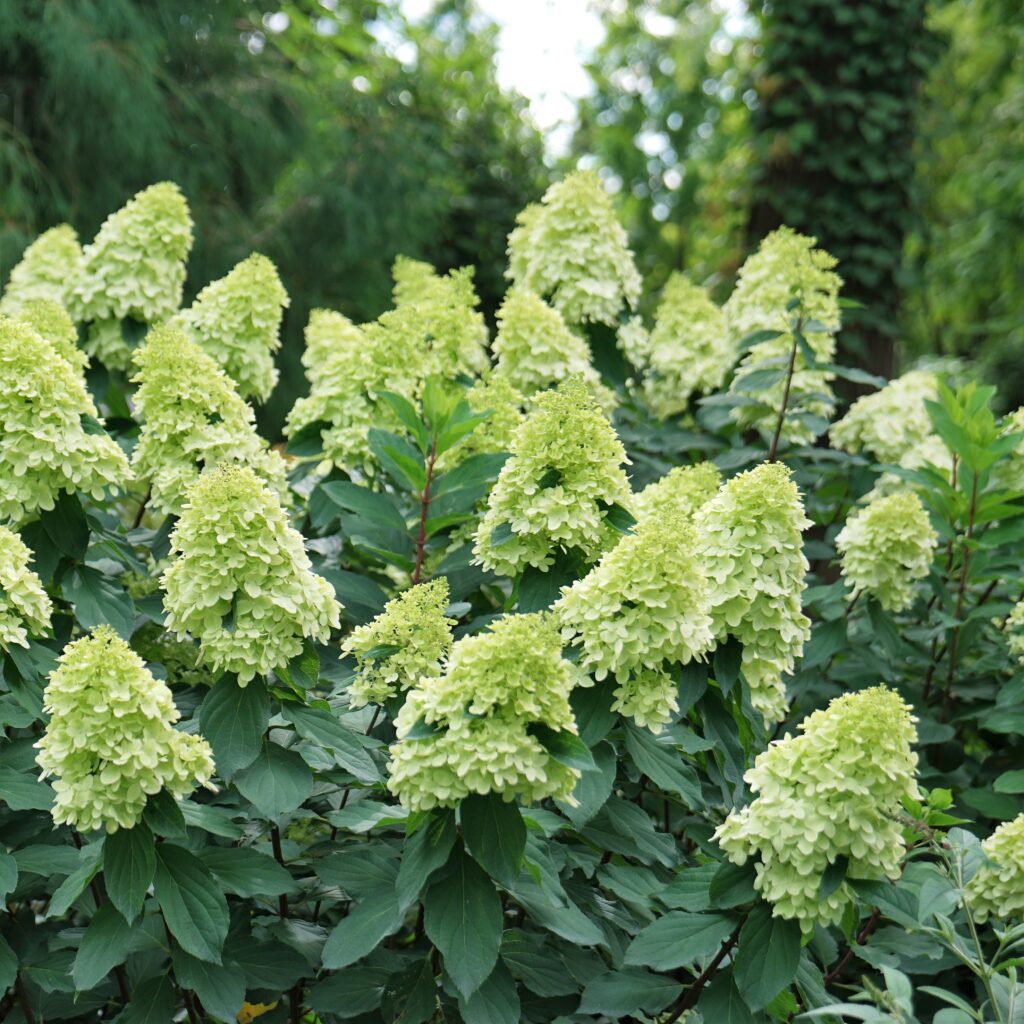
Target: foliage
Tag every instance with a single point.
(518, 711)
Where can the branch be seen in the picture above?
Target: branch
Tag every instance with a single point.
(693, 993)
(865, 934)
(421, 540)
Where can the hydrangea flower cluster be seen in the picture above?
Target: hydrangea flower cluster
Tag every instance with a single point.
(643, 605)
(133, 269)
(329, 334)
(689, 351)
(24, 607)
(241, 582)
(997, 888)
(51, 440)
(497, 395)
(749, 537)
(786, 266)
(237, 320)
(536, 350)
(890, 422)
(564, 473)
(479, 716)
(416, 637)
(833, 792)
(887, 546)
(111, 742)
(1008, 472)
(48, 270)
(192, 418)
(51, 322)
(683, 489)
(571, 249)
(1015, 631)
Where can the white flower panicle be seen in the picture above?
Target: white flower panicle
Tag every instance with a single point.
(330, 338)
(192, 418)
(25, 608)
(237, 320)
(751, 548)
(478, 726)
(110, 742)
(408, 640)
(886, 547)
(1015, 631)
(833, 792)
(554, 493)
(571, 250)
(643, 606)
(51, 322)
(48, 269)
(240, 581)
(997, 888)
(133, 269)
(683, 489)
(1008, 472)
(51, 440)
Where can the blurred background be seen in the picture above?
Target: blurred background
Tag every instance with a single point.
(333, 135)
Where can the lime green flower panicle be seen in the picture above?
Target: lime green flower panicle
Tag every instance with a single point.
(192, 417)
(690, 350)
(644, 605)
(1008, 472)
(134, 269)
(886, 547)
(554, 492)
(240, 581)
(25, 608)
(571, 250)
(110, 742)
(48, 270)
(50, 320)
(51, 440)
(416, 637)
(997, 888)
(1015, 631)
(536, 350)
(749, 537)
(786, 267)
(331, 339)
(479, 716)
(497, 395)
(237, 320)
(684, 489)
(833, 792)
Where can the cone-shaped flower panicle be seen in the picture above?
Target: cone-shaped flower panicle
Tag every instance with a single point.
(50, 440)
(689, 351)
(886, 547)
(237, 320)
(1008, 472)
(643, 606)
(192, 418)
(750, 544)
(51, 322)
(48, 269)
(785, 269)
(571, 250)
(497, 395)
(833, 792)
(536, 350)
(997, 888)
(330, 338)
(889, 423)
(133, 269)
(241, 582)
(110, 743)
(555, 491)
(683, 489)
(408, 640)
(478, 727)
(1015, 631)
(24, 607)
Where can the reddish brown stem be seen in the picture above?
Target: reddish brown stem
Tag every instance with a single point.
(421, 540)
(692, 994)
(865, 934)
(785, 399)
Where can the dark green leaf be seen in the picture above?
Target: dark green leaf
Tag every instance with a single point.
(733, 885)
(192, 902)
(349, 993)
(663, 765)
(565, 747)
(767, 958)
(104, 945)
(129, 861)
(495, 835)
(618, 994)
(246, 872)
(722, 1003)
(678, 939)
(833, 876)
(475, 472)
(24, 792)
(233, 720)
(220, 987)
(276, 782)
(496, 1001)
(367, 925)
(728, 658)
(361, 501)
(66, 526)
(152, 1002)
(324, 729)
(426, 850)
(619, 518)
(163, 815)
(98, 601)
(307, 442)
(8, 965)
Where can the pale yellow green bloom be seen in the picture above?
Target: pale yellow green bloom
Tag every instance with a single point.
(25, 608)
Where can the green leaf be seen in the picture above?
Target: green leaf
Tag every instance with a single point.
(276, 782)
(678, 939)
(66, 526)
(367, 925)
(8, 965)
(593, 787)
(8, 874)
(463, 919)
(833, 875)
(475, 472)
(501, 534)
(663, 765)
(192, 902)
(1010, 782)
(409, 418)
(565, 747)
(733, 885)
(322, 728)
(767, 958)
(233, 720)
(152, 1002)
(129, 862)
(425, 851)
(728, 658)
(722, 1003)
(164, 816)
(534, 964)
(495, 835)
(24, 792)
(307, 442)
(349, 993)
(619, 994)
(496, 1001)
(619, 518)
(247, 872)
(220, 987)
(410, 996)
(104, 945)
(97, 600)
(361, 501)
(403, 463)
